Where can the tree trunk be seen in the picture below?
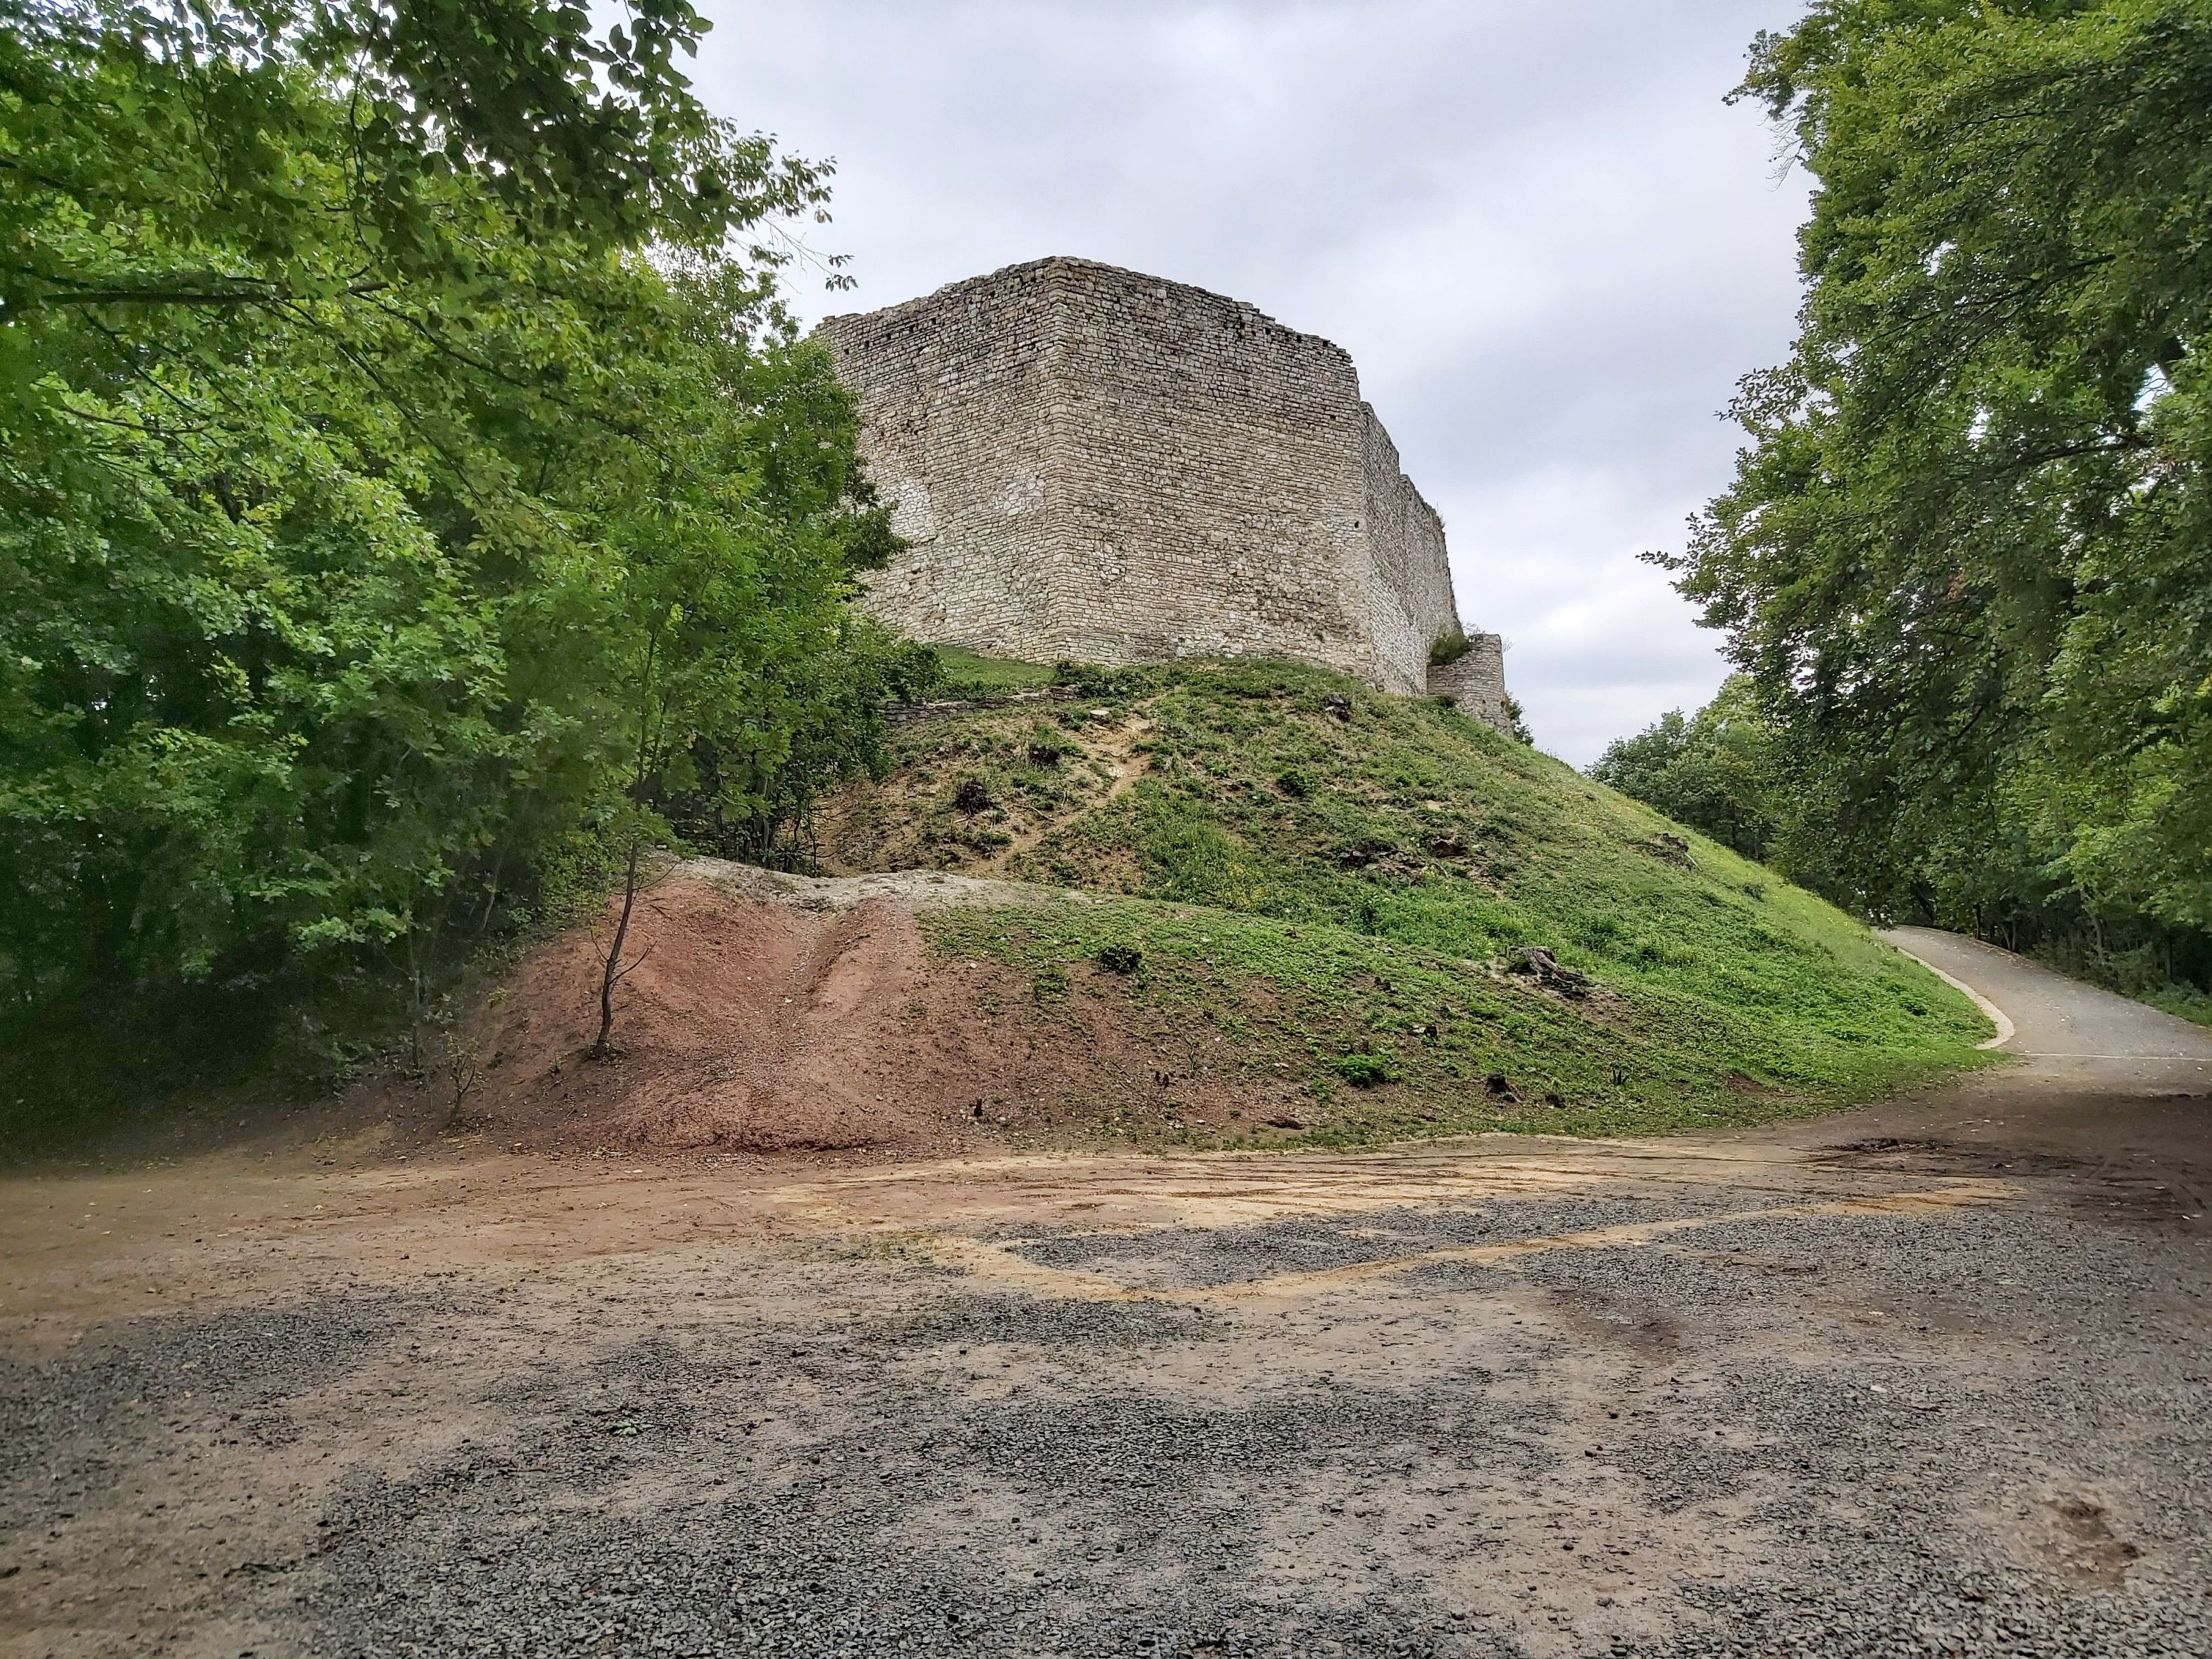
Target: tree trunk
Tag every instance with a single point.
(601, 1048)
(641, 769)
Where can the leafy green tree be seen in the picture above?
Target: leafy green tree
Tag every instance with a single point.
(377, 391)
(759, 810)
(200, 153)
(1966, 559)
(1715, 770)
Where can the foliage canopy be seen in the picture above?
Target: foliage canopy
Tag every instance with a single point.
(1966, 560)
(380, 393)
(1714, 770)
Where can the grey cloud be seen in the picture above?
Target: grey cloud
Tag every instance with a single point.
(1548, 246)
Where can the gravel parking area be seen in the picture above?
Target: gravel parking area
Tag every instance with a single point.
(1936, 1380)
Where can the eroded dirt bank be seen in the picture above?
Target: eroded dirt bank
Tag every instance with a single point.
(1933, 1376)
(771, 1013)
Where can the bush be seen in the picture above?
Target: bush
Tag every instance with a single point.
(1717, 770)
(1089, 680)
(1364, 1070)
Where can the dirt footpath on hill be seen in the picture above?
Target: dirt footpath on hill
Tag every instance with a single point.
(1934, 1378)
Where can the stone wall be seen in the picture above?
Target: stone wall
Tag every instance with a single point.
(1095, 465)
(1475, 683)
(1411, 596)
(956, 415)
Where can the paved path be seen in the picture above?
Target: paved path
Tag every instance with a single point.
(1934, 1378)
(2069, 1032)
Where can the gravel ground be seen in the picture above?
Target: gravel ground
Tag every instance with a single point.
(1984, 1432)
(1227, 1256)
(1949, 1392)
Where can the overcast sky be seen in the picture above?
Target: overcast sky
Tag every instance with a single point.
(1549, 247)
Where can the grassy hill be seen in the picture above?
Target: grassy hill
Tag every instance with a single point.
(1343, 900)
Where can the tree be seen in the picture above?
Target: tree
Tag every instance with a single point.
(224, 155)
(1966, 559)
(1715, 770)
(369, 376)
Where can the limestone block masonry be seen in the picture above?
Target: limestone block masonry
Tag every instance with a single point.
(1476, 682)
(1098, 465)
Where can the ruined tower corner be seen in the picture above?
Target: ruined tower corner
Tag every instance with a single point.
(1092, 463)
(1474, 682)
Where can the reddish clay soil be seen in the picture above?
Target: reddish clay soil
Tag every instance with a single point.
(766, 1025)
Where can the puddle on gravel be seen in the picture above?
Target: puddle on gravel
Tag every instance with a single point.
(2080, 1544)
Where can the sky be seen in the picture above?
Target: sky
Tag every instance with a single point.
(1549, 245)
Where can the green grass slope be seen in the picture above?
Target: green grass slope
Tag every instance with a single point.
(1334, 887)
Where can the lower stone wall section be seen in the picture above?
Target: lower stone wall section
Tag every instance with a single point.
(957, 407)
(1208, 481)
(1475, 684)
(1411, 594)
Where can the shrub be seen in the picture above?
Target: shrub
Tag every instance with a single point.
(1365, 1070)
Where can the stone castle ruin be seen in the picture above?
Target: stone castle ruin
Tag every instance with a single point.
(1092, 464)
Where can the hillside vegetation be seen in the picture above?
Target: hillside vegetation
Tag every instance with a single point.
(1385, 917)
(1964, 566)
